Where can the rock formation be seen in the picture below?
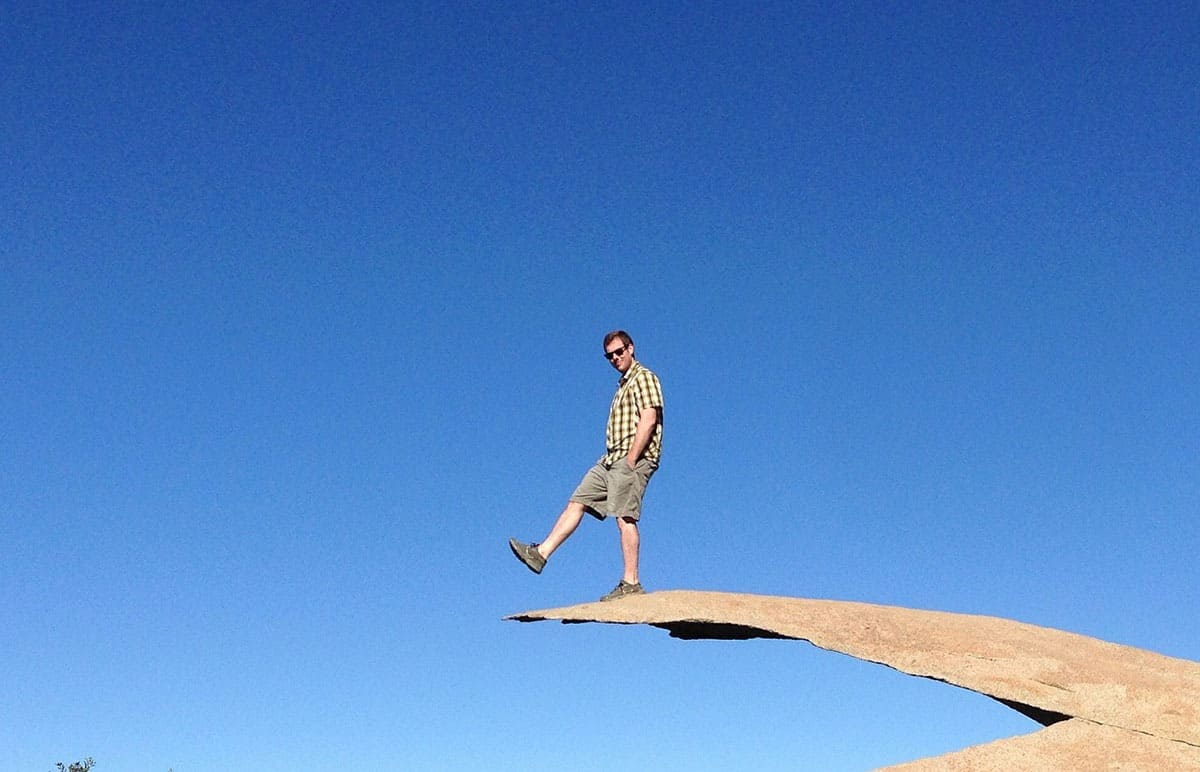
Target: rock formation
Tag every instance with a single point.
(1103, 705)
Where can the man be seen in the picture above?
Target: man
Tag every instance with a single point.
(616, 484)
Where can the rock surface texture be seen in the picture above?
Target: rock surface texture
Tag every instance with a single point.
(1104, 706)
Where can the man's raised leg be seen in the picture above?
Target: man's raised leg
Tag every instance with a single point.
(566, 524)
(534, 555)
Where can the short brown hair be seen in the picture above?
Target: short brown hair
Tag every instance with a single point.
(624, 336)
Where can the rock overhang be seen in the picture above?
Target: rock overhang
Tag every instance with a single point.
(1101, 701)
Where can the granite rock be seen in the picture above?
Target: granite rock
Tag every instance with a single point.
(1103, 705)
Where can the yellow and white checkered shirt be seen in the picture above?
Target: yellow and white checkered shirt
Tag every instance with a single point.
(637, 390)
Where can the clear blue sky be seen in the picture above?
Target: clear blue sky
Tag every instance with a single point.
(302, 307)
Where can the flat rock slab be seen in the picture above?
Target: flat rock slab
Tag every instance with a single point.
(1074, 744)
(1101, 701)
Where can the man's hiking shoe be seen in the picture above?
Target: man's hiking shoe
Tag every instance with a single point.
(528, 554)
(624, 589)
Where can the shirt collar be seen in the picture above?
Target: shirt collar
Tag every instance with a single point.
(633, 368)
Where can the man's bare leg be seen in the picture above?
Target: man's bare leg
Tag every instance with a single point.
(566, 524)
(630, 542)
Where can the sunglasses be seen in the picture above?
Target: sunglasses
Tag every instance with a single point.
(611, 355)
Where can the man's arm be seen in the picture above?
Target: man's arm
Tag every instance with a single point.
(647, 420)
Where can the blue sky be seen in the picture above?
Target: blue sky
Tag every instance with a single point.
(303, 306)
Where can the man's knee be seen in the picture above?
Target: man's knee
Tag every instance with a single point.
(577, 509)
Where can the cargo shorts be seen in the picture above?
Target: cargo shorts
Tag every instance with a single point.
(614, 490)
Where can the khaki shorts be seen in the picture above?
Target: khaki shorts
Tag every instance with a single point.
(615, 491)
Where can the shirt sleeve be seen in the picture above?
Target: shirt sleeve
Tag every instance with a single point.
(647, 391)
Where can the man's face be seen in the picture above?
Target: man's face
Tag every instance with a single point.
(619, 354)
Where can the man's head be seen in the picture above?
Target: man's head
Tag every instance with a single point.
(618, 350)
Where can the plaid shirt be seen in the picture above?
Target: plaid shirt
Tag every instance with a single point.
(637, 390)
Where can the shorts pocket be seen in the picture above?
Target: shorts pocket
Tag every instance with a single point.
(620, 467)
